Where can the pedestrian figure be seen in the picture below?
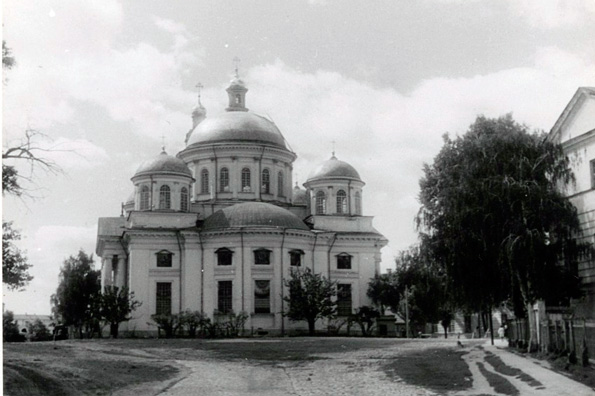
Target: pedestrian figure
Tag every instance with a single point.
(501, 333)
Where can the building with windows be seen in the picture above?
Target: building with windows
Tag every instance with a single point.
(575, 130)
(219, 227)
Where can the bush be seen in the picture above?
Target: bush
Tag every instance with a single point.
(38, 331)
(169, 323)
(194, 322)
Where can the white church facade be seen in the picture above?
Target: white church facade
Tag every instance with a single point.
(219, 227)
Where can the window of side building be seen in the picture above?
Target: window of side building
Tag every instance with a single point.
(344, 303)
(262, 296)
(262, 256)
(224, 256)
(164, 258)
(163, 302)
(224, 297)
(344, 261)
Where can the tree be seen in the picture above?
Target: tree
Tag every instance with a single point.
(310, 297)
(385, 292)
(116, 305)
(366, 317)
(416, 282)
(75, 302)
(10, 329)
(14, 262)
(493, 217)
(38, 331)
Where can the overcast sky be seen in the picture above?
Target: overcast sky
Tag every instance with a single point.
(384, 79)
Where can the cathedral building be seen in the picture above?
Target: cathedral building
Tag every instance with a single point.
(220, 226)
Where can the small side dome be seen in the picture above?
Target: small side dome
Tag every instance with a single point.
(299, 196)
(334, 169)
(253, 214)
(164, 164)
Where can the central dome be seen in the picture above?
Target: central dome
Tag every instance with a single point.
(237, 126)
(253, 214)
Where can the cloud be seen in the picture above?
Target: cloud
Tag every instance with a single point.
(71, 58)
(47, 250)
(388, 136)
(548, 14)
(77, 154)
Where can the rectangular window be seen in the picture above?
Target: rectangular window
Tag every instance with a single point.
(262, 296)
(295, 258)
(224, 256)
(163, 304)
(224, 295)
(262, 256)
(164, 259)
(593, 173)
(344, 261)
(344, 304)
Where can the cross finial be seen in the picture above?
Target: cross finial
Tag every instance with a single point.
(333, 142)
(200, 87)
(163, 142)
(236, 62)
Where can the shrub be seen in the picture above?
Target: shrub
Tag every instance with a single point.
(38, 331)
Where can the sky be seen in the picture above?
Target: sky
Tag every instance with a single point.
(107, 82)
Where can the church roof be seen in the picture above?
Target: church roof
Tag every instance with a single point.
(164, 163)
(237, 126)
(299, 196)
(334, 169)
(253, 214)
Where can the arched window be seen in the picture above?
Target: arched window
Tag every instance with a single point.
(341, 202)
(320, 202)
(280, 184)
(266, 182)
(246, 180)
(204, 182)
(184, 199)
(164, 197)
(358, 203)
(145, 195)
(224, 180)
(224, 256)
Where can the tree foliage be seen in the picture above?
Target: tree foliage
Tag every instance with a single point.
(116, 305)
(10, 329)
(365, 317)
(15, 267)
(493, 217)
(418, 282)
(77, 300)
(38, 331)
(310, 297)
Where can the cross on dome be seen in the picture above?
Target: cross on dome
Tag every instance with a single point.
(236, 62)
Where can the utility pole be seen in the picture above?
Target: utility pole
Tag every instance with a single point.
(407, 311)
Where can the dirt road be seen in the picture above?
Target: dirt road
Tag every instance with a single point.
(494, 372)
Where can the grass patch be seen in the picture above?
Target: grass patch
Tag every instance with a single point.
(266, 350)
(498, 382)
(442, 370)
(44, 368)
